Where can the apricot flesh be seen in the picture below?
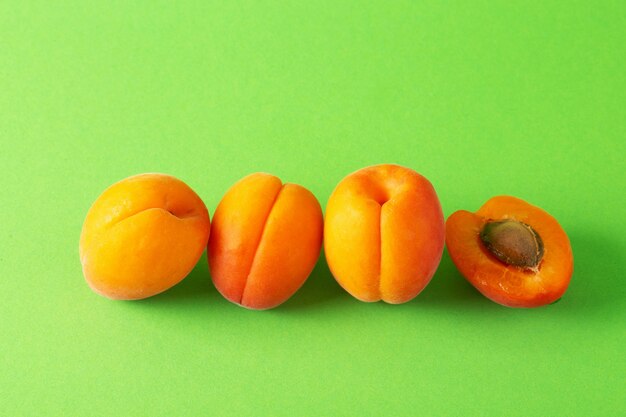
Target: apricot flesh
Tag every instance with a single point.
(535, 280)
(266, 237)
(142, 235)
(384, 233)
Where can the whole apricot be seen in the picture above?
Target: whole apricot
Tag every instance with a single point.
(142, 235)
(514, 253)
(384, 233)
(266, 237)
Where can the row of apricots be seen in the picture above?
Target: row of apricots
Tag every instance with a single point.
(383, 237)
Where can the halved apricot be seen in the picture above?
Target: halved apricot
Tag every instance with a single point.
(514, 253)
(143, 235)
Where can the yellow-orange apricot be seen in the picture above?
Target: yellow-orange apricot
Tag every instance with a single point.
(143, 235)
(384, 233)
(265, 239)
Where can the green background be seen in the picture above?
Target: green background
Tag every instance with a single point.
(481, 97)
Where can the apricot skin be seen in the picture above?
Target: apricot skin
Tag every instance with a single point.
(504, 284)
(142, 235)
(265, 240)
(384, 233)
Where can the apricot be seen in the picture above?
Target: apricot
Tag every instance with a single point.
(514, 253)
(266, 237)
(142, 235)
(384, 233)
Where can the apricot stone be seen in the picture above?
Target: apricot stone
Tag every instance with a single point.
(143, 235)
(384, 233)
(266, 237)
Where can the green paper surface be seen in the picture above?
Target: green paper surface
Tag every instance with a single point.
(482, 98)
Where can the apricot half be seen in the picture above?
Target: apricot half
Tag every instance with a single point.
(514, 253)
(143, 235)
(266, 237)
(384, 233)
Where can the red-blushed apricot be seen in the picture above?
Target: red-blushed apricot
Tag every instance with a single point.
(514, 253)
(143, 235)
(266, 237)
(384, 233)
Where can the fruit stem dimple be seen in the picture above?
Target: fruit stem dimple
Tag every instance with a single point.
(513, 243)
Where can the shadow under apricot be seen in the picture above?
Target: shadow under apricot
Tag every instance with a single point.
(448, 288)
(320, 288)
(597, 283)
(196, 286)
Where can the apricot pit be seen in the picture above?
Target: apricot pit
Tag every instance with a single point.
(513, 243)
